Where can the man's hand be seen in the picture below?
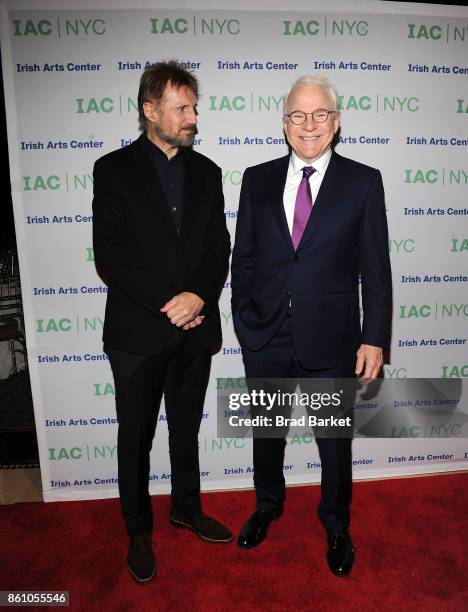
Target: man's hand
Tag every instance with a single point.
(183, 308)
(198, 320)
(369, 361)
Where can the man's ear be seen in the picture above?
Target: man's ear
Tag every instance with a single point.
(150, 111)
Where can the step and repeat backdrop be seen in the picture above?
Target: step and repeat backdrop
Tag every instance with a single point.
(71, 81)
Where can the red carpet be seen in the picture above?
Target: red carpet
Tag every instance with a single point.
(410, 535)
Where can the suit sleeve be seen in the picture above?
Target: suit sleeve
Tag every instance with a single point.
(244, 253)
(113, 257)
(208, 278)
(374, 264)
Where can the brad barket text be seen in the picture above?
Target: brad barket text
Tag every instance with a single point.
(281, 421)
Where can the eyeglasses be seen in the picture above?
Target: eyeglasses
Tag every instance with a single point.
(319, 116)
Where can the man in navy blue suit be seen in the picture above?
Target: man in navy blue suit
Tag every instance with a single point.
(311, 226)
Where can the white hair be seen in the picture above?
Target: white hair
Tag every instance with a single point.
(313, 80)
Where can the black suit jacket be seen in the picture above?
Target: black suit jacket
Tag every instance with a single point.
(345, 241)
(141, 257)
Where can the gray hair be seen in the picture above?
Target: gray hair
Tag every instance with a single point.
(313, 80)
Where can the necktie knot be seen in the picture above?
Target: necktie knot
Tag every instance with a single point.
(307, 171)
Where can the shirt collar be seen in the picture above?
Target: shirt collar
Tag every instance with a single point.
(156, 152)
(320, 165)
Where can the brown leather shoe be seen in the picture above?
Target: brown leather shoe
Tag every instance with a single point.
(206, 528)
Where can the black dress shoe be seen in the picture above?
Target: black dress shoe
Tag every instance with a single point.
(206, 528)
(340, 554)
(140, 559)
(255, 529)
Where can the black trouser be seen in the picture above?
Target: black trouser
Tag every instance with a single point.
(181, 371)
(278, 360)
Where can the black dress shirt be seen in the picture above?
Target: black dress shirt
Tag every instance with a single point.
(171, 174)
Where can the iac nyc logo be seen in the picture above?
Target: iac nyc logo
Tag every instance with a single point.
(121, 103)
(326, 26)
(59, 26)
(379, 103)
(250, 102)
(195, 26)
(71, 324)
(433, 176)
(446, 33)
(87, 453)
(213, 445)
(68, 181)
(436, 310)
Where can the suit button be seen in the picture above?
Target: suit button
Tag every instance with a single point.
(179, 256)
(288, 293)
(296, 257)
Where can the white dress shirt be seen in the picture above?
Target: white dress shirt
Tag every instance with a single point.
(294, 177)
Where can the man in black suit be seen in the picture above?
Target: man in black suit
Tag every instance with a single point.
(162, 246)
(310, 225)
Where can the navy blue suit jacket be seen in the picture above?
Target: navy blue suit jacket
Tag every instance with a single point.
(345, 243)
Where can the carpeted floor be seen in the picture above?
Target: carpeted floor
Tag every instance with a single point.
(410, 535)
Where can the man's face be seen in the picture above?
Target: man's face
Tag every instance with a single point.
(310, 140)
(173, 121)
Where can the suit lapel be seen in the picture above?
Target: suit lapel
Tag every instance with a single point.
(275, 183)
(147, 178)
(329, 192)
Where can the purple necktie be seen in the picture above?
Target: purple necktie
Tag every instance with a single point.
(303, 206)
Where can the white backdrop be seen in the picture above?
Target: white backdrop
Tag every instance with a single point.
(71, 75)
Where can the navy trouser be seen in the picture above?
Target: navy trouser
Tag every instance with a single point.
(278, 360)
